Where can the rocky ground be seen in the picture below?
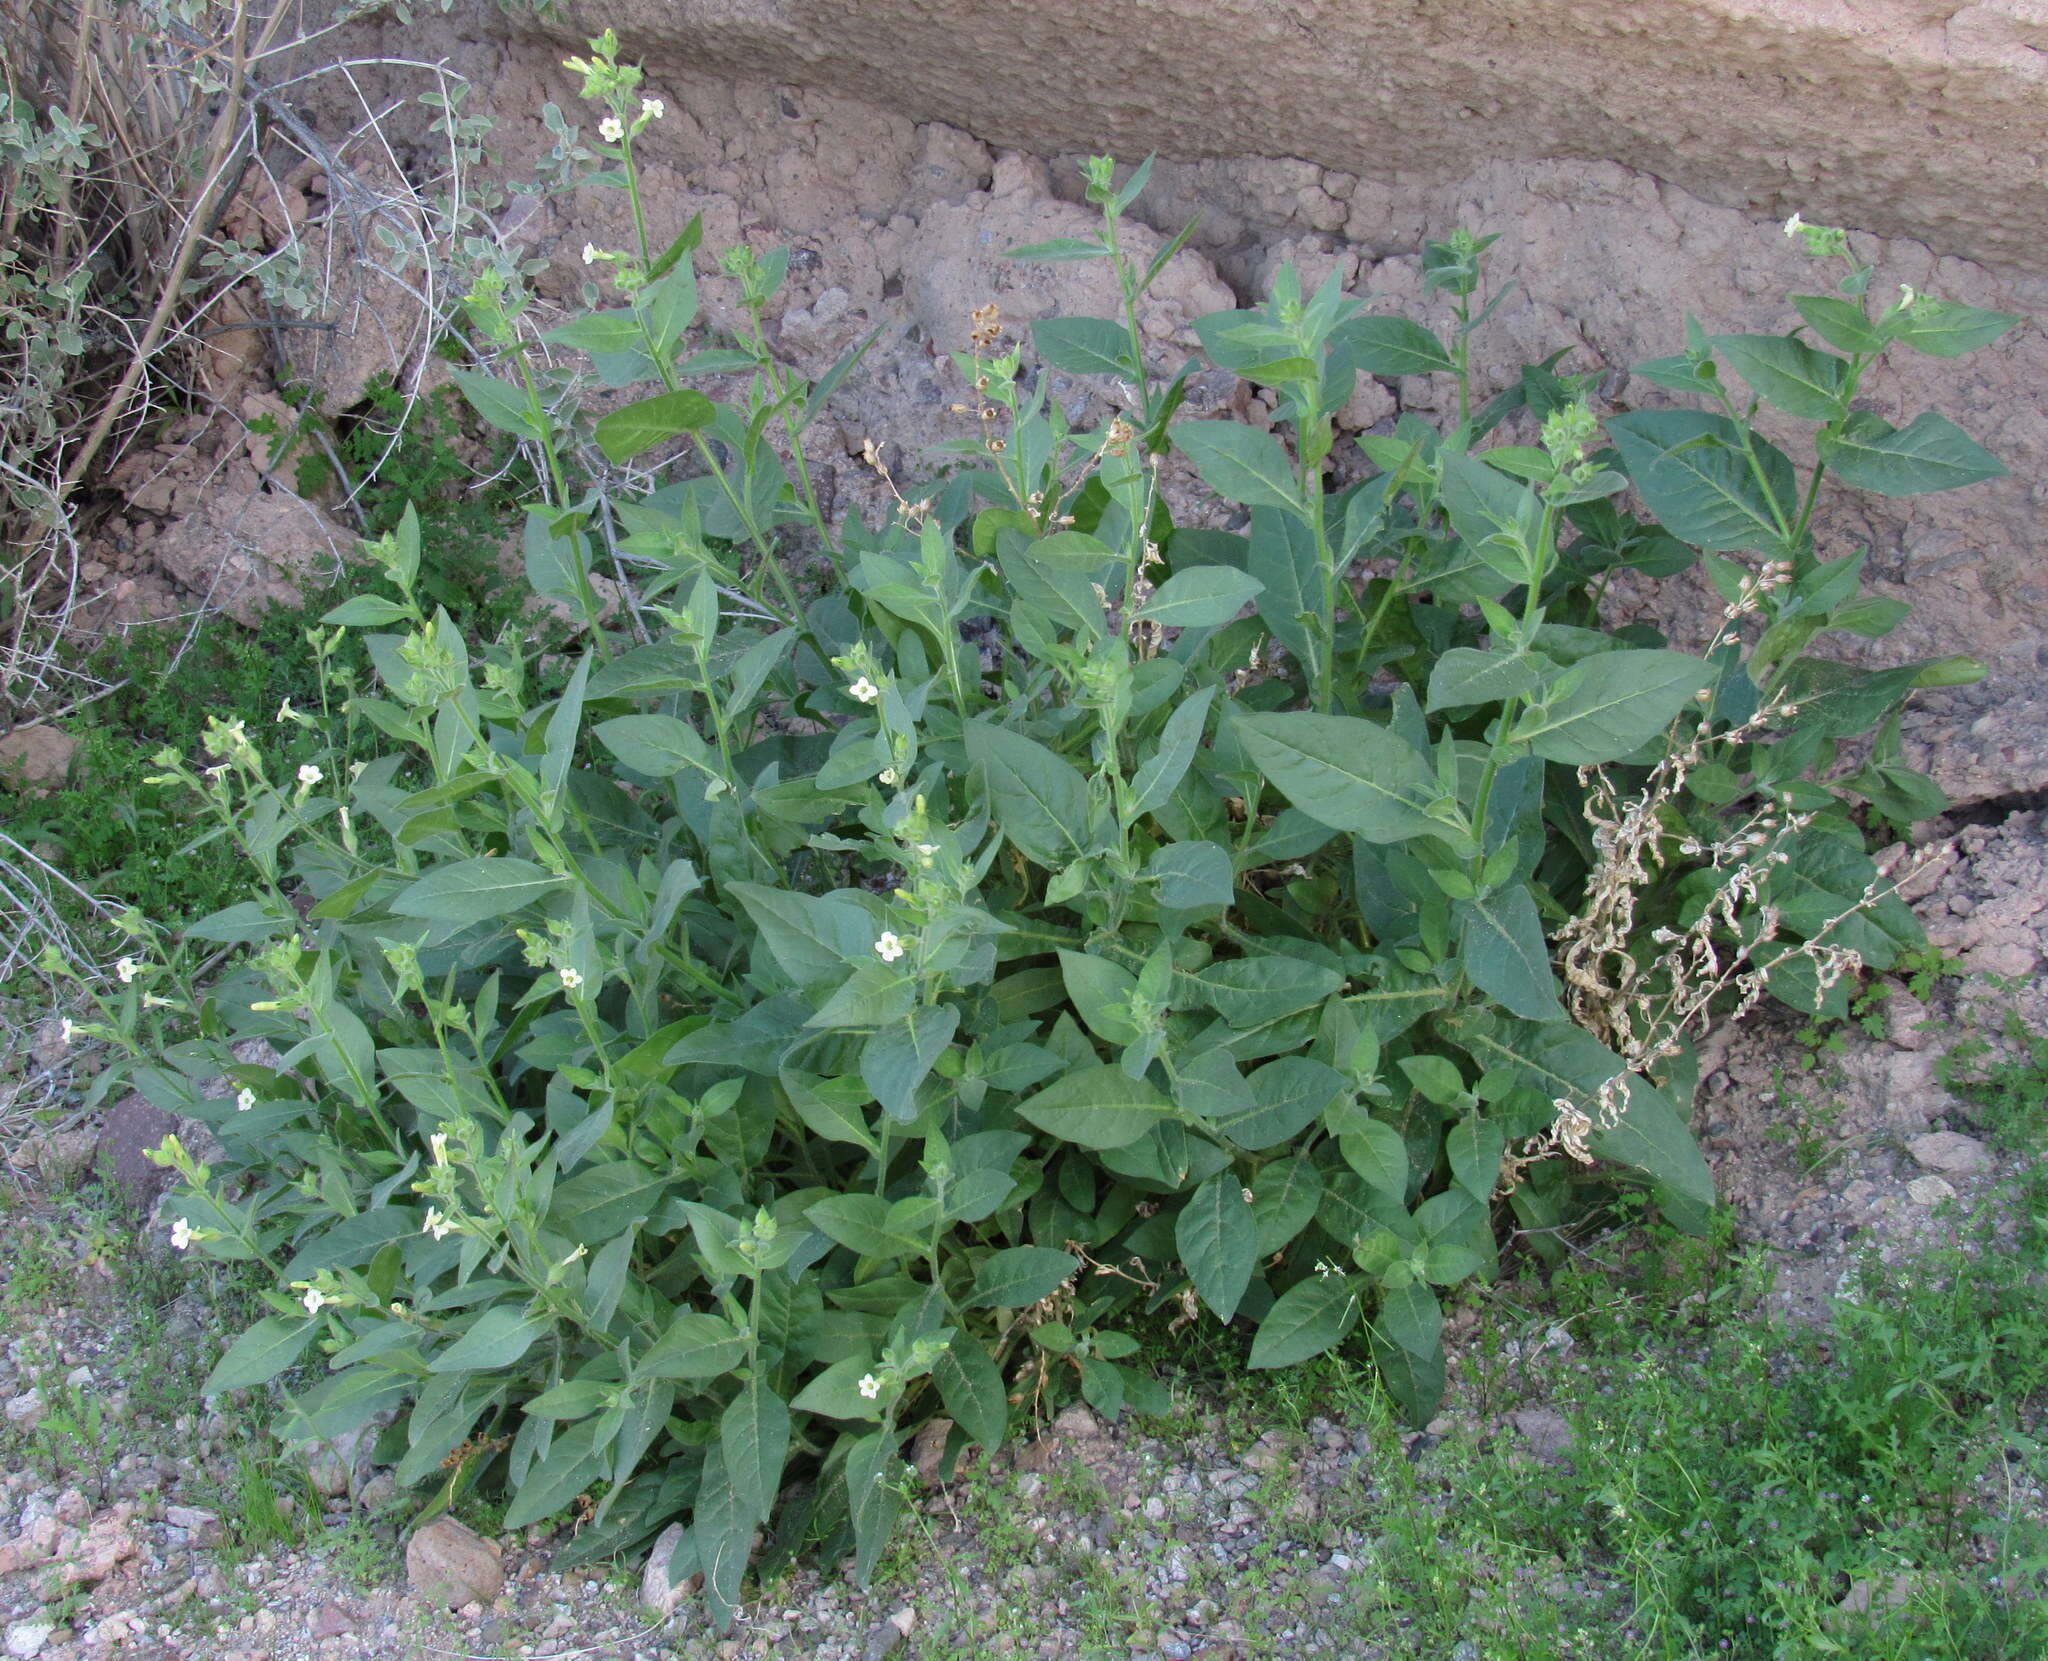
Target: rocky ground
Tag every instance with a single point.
(137, 1519)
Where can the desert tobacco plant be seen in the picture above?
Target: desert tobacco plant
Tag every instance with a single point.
(864, 1003)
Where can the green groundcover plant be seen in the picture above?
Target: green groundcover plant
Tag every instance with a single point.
(865, 1001)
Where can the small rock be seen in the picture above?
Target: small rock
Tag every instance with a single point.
(26, 1410)
(883, 1640)
(1548, 1435)
(1930, 1191)
(72, 1508)
(454, 1565)
(1950, 1153)
(202, 1526)
(1863, 1593)
(331, 1621)
(104, 1546)
(660, 1591)
(1269, 1452)
(1078, 1423)
(79, 1378)
(38, 757)
(928, 1450)
(26, 1638)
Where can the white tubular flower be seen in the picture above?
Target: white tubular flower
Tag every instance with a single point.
(590, 253)
(891, 776)
(437, 1225)
(864, 691)
(889, 948)
(67, 1032)
(1794, 225)
(284, 711)
(870, 1386)
(245, 1098)
(1907, 295)
(438, 1142)
(570, 979)
(652, 109)
(181, 1234)
(315, 1300)
(611, 129)
(126, 969)
(309, 775)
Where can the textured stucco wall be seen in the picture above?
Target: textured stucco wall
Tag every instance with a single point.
(1921, 118)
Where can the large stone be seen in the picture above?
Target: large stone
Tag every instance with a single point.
(451, 1564)
(36, 758)
(1920, 118)
(660, 1590)
(1949, 1153)
(249, 550)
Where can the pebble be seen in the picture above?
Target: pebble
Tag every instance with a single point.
(26, 1638)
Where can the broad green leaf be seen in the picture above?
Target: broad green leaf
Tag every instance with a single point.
(1250, 991)
(1411, 1317)
(601, 1200)
(500, 1337)
(1416, 1382)
(1501, 947)
(467, 891)
(1039, 801)
(1159, 775)
(575, 1398)
(1693, 474)
(1376, 1152)
(1285, 1194)
(1101, 993)
(1394, 346)
(1465, 676)
(1839, 322)
(861, 1222)
(754, 1435)
(1096, 1107)
(1499, 518)
(1353, 775)
(1102, 1386)
(1653, 1137)
(1946, 328)
(812, 937)
(572, 1464)
(1084, 346)
(260, 1354)
(1474, 1147)
(500, 403)
(1193, 876)
(896, 1057)
(973, 1391)
(658, 745)
(366, 611)
(1240, 463)
(1217, 1238)
(1288, 1095)
(1311, 1316)
(837, 1394)
(722, 1533)
(1283, 556)
(346, 1402)
(1607, 707)
(694, 1346)
(874, 1480)
(1929, 453)
(1788, 373)
(624, 433)
(1204, 596)
(1020, 1276)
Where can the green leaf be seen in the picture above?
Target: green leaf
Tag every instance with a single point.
(1376, 1152)
(1096, 1107)
(1947, 329)
(1353, 775)
(1393, 346)
(1101, 992)
(874, 1478)
(1788, 373)
(260, 1354)
(1474, 1147)
(467, 891)
(1193, 876)
(1608, 706)
(1217, 1238)
(1060, 248)
(896, 1057)
(1411, 1317)
(1416, 1382)
(1084, 346)
(1240, 463)
(500, 1337)
(1498, 518)
(1251, 991)
(575, 1398)
(812, 937)
(1691, 470)
(1653, 1137)
(1501, 947)
(657, 745)
(500, 403)
(694, 1346)
(624, 433)
(753, 1432)
(1039, 801)
(366, 611)
(1018, 1277)
(1464, 676)
(1311, 1316)
(1929, 453)
(723, 1534)
(346, 1402)
(1285, 1194)
(972, 1390)
(572, 1464)
(1201, 597)
(1840, 323)
(861, 1222)
(836, 1391)
(1288, 1095)
(1159, 776)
